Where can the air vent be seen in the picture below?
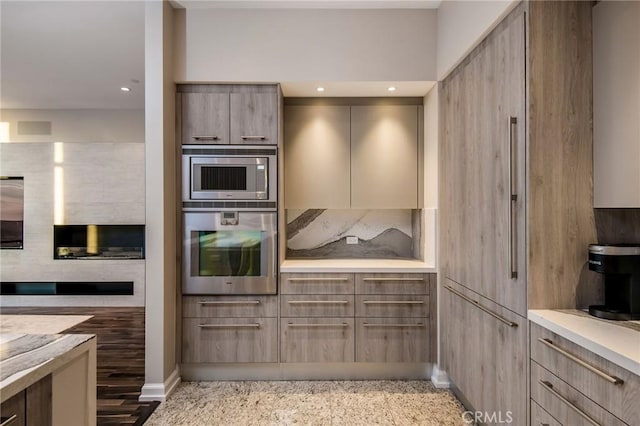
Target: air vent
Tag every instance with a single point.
(34, 128)
(228, 151)
(229, 205)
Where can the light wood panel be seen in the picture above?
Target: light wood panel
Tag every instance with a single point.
(384, 151)
(392, 283)
(539, 417)
(620, 399)
(311, 283)
(220, 340)
(324, 305)
(38, 403)
(318, 157)
(485, 358)
(229, 306)
(204, 114)
(411, 306)
(392, 340)
(253, 114)
(561, 219)
(549, 391)
(317, 340)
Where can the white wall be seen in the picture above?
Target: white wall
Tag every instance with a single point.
(616, 104)
(99, 183)
(305, 45)
(79, 125)
(462, 25)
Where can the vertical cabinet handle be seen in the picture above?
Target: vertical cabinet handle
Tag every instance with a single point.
(513, 198)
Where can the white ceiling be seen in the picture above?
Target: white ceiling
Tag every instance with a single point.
(77, 54)
(72, 54)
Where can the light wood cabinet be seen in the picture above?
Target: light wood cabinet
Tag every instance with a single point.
(229, 329)
(411, 306)
(253, 118)
(311, 283)
(205, 118)
(540, 417)
(606, 384)
(239, 114)
(30, 407)
(384, 157)
(317, 156)
(392, 340)
(317, 339)
(343, 153)
(316, 305)
(515, 203)
(383, 283)
(485, 352)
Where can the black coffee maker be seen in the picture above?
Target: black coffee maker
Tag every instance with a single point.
(620, 265)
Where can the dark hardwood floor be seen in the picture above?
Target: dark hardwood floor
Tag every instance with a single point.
(120, 366)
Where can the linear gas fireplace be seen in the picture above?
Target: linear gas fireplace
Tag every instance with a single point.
(95, 242)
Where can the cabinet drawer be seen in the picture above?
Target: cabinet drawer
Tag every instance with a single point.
(539, 417)
(392, 306)
(317, 340)
(230, 340)
(229, 306)
(565, 403)
(392, 340)
(593, 375)
(316, 305)
(13, 408)
(392, 283)
(316, 283)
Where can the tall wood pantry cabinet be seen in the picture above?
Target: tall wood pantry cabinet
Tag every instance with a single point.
(516, 196)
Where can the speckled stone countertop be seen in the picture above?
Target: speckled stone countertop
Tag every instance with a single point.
(39, 324)
(616, 341)
(356, 265)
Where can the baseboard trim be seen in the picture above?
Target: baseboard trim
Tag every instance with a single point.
(440, 378)
(161, 391)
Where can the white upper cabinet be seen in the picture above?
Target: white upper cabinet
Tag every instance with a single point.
(316, 168)
(384, 157)
(358, 156)
(616, 104)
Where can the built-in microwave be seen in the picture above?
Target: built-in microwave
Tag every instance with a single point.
(230, 173)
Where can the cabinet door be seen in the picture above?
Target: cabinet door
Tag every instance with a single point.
(384, 157)
(254, 118)
(12, 411)
(392, 340)
(484, 351)
(317, 157)
(205, 118)
(317, 339)
(483, 169)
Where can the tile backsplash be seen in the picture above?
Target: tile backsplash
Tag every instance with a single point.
(321, 233)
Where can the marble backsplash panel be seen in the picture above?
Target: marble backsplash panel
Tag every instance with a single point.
(382, 234)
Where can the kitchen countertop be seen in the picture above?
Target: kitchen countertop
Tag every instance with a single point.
(356, 265)
(618, 342)
(39, 324)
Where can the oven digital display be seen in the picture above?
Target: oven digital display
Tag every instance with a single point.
(230, 253)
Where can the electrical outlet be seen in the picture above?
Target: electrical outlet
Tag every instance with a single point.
(352, 240)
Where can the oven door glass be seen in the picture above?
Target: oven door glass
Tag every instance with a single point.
(230, 253)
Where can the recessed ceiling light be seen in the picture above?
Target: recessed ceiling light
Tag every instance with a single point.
(391, 89)
(125, 89)
(320, 89)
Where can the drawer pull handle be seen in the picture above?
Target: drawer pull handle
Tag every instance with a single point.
(206, 138)
(230, 302)
(253, 137)
(6, 421)
(482, 308)
(317, 279)
(343, 324)
(366, 324)
(313, 302)
(394, 279)
(549, 387)
(393, 302)
(612, 379)
(256, 325)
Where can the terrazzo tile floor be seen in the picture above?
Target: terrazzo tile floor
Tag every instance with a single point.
(349, 403)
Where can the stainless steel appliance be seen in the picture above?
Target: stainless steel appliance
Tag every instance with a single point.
(229, 252)
(219, 176)
(620, 265)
